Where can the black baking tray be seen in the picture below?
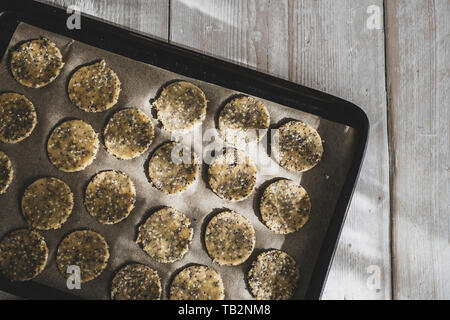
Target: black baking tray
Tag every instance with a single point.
(195, 65)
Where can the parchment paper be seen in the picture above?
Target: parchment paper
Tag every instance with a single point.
(140, 84)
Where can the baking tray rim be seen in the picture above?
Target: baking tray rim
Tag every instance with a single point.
(209, 69)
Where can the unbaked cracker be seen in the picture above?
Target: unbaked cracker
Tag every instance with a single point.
(229, 238)
(181, 105)
(197, 282)
(285, 207)
(298, 147)
(17, 117)
(136, 282)
(274, 275)
(94, 88)
(72, 146)
(86, 249)
(36, 63)
(166, 235)
(110, 197)
(47, 203)
(23, 255)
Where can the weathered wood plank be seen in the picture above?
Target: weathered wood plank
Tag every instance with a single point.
(418, 55)
(147, 16)
(324, 45)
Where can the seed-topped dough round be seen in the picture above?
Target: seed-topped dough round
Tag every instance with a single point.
(232, 175)
(243, 120)
(166, 235)
(136, 282)
(47, 203)
(298, 146)
(128, 134)
(285, 207)
(36, 63)
(94, 88)
(274, 275)
(229, 238)
(110, 197)
(6, 172)
(180, 106)
(23, 255)
(17, 117)
(173, 176)
(72, 146)
(197, 283)
(85, 249)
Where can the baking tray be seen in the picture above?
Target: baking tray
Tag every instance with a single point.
(219, 79)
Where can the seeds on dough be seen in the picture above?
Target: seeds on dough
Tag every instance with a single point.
(136, 282)
(110, 197)
(180, 106)
(85, 249)
(243, 120)
(232, 176)
(128, 134)
(173, 176)
(166, 235)
(94, 88)
(285, 207)
(274, 275)
(47, 203)
(72, 146)
(6, 172)
(36, 63)
(229, 238)
(298, 147)
(17, 117)
(197, 283)
(23, 255)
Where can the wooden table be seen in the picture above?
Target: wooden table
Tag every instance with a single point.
(390, 57)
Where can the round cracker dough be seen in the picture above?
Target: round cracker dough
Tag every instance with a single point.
(23, 255)
(166, 235)
(172, 177)
(36, 63)
(128, 134)
(85, 249)
(17, 117)
(136, 282)
(285, 207)
(274, 275)
(6, 172)
(72, 146)
(180, 106)
(298, 146)
(232, 176)
(110, 197)
(94, 88)
(47, 203)
(197, 283)
(229, 238)
(243, 120)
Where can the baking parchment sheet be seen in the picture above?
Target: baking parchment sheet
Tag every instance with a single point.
(140, 84)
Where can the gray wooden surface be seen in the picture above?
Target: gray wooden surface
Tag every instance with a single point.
(401, 205)
(418, 56)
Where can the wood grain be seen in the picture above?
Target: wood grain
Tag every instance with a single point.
(418, 55)
(324, 45)
(147, 16)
